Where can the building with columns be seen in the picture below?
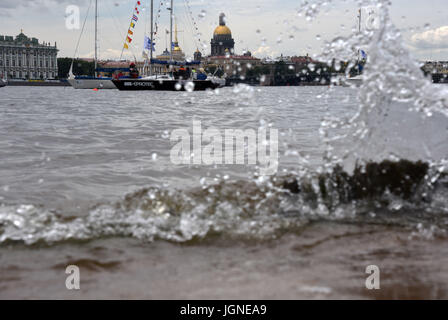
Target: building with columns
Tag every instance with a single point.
(222, 42)
(26, 58)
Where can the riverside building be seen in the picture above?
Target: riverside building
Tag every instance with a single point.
(25, 58)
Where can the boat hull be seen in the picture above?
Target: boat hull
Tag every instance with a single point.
(164, 85)
(91, 83)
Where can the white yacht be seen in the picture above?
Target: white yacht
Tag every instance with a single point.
(86, 82)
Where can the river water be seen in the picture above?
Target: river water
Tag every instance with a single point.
(86, 179)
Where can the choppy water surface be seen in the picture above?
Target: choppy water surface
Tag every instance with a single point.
(86, 178)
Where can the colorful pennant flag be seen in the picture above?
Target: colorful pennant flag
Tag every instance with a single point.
(132, 25)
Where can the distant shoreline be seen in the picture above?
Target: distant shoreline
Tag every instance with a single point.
(60, 83)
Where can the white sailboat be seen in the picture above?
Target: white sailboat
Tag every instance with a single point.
(86, 82)
(357, 79)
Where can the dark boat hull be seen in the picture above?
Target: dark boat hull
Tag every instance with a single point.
(164, 85)
(439, 78)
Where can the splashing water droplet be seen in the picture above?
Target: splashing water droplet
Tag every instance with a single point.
(189, 86)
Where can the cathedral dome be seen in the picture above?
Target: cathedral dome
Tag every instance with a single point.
(222, 41)
(222, 30)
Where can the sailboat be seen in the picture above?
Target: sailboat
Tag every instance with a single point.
(357, 79)
(87, 82)
(166, 83)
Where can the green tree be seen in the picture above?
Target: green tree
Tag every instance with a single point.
(80, 67)
(258, 71)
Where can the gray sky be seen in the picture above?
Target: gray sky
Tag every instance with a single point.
(267, 28)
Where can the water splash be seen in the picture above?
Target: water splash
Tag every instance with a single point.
(388, 192)
(401, 115)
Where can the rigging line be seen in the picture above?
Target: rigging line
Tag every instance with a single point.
(156, 22)
(194, 24)
(189, 22)
(187, 16)
(82, 31)
(122, 50)
(115, 20)
(115, 24)
(147, 12)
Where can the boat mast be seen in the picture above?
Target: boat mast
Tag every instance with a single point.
(359, 51)
(171, 31)
(96, 35)
(152, 38)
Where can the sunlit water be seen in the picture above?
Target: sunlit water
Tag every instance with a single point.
(86, 179)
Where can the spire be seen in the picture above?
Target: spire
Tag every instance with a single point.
(175, 33)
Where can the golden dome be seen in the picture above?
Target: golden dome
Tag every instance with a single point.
(222, 30)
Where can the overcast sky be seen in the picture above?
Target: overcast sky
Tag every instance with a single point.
(266, 28)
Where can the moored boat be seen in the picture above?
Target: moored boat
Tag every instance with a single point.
(96, 81)
(79, 82)
(165, 84)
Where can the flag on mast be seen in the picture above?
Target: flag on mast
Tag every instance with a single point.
(148, 45)
(132, 25)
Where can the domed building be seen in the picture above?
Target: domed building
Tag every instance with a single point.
(197, 56)
(222, 42)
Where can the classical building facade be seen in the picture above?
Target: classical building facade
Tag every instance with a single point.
(222, 42)
(233, 65)
(26, 58)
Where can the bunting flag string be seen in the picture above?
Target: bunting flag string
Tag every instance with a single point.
(157, 17)
(134, 20)
(195, 25)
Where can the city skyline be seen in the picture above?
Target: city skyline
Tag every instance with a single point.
(266, 28)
